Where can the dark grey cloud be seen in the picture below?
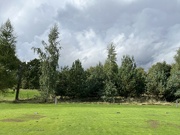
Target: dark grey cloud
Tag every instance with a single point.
(148, 30)
(146, 25)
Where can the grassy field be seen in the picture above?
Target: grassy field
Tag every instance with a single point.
(9, 95)
(88, 119)
(85, 118)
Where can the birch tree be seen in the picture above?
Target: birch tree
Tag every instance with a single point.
(49, 57)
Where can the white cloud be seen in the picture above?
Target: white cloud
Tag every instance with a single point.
(148, 30)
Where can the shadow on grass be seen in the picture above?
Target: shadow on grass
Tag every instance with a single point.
(33, 101)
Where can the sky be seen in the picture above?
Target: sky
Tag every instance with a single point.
(149, 30)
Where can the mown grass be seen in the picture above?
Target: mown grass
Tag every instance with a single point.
(88, 119)
(9, 95)
(85, 118)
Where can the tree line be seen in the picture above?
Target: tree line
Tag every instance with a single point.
(103, 82)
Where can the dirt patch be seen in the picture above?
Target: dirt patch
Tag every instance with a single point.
(153, 123)
(26, 117)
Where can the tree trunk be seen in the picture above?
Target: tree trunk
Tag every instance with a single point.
(19, 83)
(55, 100)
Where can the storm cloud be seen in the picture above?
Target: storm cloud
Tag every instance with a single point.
(148, 30)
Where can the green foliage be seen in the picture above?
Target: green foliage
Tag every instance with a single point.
(127, 77)
(177, 59)
(77, 80)
(7, 46)
(156, 80)
(140, 82)
(63, 82)
(110, 91)
(95, 81)
(49, 64)
(7, 79)
(31, 74)
(8, 60)
(110, 66)
(110, 70)
(161, 81)
(173, 84)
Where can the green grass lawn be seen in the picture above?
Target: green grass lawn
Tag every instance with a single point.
(88, 119)
(9, 95)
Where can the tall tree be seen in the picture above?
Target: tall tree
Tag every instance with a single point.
(177, 59)
(111, 70)
(127, 77)
(156, 80)
(95, 81)
(173, 85)
(8, 59)
(110, 66)
(140, 81)
(77, 80)
(49, 63)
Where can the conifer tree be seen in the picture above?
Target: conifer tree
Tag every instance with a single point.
(8, 59)
(111, 70)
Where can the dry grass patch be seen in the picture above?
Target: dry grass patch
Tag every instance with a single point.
(153, 124)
